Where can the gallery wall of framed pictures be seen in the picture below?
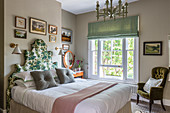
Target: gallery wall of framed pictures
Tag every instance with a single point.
(36, 26)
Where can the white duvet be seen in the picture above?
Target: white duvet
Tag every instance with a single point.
(108, 101)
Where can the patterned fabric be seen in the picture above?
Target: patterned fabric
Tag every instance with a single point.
(36, 59)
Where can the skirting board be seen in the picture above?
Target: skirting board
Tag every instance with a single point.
(2, 111)
(165, 101)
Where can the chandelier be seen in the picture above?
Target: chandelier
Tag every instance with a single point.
(112, 11)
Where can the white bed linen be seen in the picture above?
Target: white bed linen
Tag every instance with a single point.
(108, 101)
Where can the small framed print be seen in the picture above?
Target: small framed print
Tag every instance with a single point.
(52, 29)
(65, 46)
(152, 48)
(20, 34)
(38, 26)
(20, 22)
(52, 38)
(66, 35)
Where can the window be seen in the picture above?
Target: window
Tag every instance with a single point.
(115, 58)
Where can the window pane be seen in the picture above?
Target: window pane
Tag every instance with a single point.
(107, 45)
(106, 57)
(94, 63)
(130, 63)
(94, 45)
(112, 71)
(117, 58)
(117, 44)
(130, 43)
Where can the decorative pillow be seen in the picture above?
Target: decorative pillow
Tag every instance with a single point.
(152, 83)
(26, 75)
(65, 75)
(25, 84)
(43, 79)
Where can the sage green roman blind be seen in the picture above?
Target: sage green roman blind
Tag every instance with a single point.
(127, 27)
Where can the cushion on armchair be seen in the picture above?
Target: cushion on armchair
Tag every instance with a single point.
(152, 83)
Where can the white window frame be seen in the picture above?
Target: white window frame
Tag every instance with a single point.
(124, 64)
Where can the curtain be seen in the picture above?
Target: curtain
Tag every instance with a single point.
(127, 27)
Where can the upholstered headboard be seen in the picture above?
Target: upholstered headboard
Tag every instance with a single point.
(36, 59)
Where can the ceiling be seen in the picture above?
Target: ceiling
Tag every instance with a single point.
(83, 6)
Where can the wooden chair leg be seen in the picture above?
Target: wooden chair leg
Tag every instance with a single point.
(137, 99)
(163, 105)
(150, 105)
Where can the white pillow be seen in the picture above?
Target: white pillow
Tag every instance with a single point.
(25, 76)
(25, 84)
(152, 83)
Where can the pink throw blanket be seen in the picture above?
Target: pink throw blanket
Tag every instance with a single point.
(67, 104)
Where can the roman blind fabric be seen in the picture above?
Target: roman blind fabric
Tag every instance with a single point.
(127, 27)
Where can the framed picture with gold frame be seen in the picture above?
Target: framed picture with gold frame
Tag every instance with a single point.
(20, 22)
(52, 29)
(52, 38)
(38, 26)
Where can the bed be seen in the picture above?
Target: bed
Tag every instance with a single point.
(113, 100)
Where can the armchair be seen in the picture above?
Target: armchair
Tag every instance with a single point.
(156, 93)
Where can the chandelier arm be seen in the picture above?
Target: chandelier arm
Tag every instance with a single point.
(111, 7)
(126, 4)
(107, 6)
(120, 2)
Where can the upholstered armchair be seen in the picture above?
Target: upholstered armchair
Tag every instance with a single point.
(156, 93)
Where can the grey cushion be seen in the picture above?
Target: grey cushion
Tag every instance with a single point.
(43, 79)
(65, 75)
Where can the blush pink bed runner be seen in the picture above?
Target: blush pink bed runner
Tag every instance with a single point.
(67, 104)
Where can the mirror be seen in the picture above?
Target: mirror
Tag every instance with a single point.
(68, 60)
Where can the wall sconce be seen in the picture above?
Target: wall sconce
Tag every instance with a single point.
(16, 48)
(60, 52)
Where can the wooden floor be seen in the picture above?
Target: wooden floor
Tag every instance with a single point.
(143, 107)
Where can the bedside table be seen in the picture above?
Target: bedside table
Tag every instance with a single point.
(78, 74)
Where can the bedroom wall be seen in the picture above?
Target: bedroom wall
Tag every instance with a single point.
(1, 52)
(48, 10)
(154, 26)
(69, 21)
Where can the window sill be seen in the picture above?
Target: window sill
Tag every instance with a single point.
(117, 80)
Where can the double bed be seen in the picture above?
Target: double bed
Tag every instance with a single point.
(29, 100)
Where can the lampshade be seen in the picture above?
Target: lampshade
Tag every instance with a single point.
(61, 52)
(16, 50)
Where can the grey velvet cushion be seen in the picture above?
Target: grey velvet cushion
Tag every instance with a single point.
(65, 75)
(43, 79)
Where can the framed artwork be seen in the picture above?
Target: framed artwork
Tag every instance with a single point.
(52, 38)
(152, 48)
(66, 35)
(20, 34)
(20, 22)
(52, 29)
(65, 47)
(38, 26)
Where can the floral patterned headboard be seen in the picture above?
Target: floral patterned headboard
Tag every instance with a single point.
(36, 59)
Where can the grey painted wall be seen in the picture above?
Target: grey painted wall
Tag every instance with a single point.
(48, 10)
(1, 52)
(154, 26)
(69, 21)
